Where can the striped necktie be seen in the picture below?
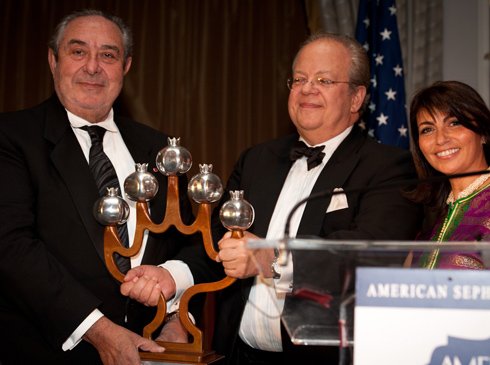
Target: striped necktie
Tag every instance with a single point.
(105, 177)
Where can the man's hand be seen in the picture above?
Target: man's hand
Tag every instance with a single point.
(173, 331)
(240, 262)
(145, 283)
(117, 345)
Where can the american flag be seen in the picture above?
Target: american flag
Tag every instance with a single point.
(377, 31)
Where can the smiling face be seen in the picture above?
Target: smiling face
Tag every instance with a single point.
(448, 146)
(321, 112)
(89, 69)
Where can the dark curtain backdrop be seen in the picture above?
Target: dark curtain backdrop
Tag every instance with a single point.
(212, 72)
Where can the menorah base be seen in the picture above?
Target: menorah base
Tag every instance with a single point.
(179, 357)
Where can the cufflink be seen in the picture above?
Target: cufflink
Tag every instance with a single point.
(170, 316)
(275, 268)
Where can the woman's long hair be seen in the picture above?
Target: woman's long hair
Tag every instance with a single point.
(454, 99)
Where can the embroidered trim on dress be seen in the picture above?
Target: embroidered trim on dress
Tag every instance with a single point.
(466, 262)
(467, 194)
(475, 185)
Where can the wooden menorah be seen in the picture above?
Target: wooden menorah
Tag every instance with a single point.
(172, 162)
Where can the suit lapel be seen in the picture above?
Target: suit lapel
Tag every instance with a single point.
(334, 175)
(70, 162)
(277, 168)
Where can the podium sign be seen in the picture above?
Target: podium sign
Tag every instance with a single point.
(418, 316)
(389, 315)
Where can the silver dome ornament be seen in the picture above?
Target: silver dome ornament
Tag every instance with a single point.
(205, 187)
(174, 159)
(111, 209)
(237, 214)
(141, 185)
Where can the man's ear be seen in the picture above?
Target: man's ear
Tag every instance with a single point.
(52, 60)
(127, 65)
(358, 99)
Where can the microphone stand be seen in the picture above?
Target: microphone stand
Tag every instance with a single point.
(343, 333)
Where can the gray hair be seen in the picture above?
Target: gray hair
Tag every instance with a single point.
(359, 69)
(127, 36)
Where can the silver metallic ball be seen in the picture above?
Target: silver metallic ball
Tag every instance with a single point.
(141, 185)
(111, 209)
(205, 187)
(174, 159)
(237, 213)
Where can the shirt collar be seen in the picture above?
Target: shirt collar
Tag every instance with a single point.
(108, 123)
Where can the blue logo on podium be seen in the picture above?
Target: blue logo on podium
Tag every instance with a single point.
(460, 351)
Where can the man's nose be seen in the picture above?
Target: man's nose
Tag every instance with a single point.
(92, 66)
(309, 86)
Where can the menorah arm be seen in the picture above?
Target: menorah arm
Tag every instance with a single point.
(151, 327)
(112, 244)
(197, 335)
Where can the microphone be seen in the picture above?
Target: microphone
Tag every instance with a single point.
(388, 186)
(284, 242)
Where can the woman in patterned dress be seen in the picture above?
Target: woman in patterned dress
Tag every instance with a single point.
(450, 128)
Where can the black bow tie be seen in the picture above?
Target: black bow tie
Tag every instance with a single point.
(314, 155)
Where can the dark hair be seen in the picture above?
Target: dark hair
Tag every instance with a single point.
(359, 68)
(127, 36)
(454, 99)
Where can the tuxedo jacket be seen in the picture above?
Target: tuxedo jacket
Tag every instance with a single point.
(358, 162)
(52, 271)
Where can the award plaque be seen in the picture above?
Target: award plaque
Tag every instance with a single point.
(205, 189)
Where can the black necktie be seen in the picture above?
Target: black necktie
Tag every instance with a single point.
(105, 177)
(314, 155)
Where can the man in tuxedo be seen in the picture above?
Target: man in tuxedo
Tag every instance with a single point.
(59, 303)
(330, 76)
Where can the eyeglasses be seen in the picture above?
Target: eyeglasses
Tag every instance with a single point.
(298, 82)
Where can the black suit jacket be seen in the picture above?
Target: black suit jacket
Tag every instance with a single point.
(358, 162)
(52, 271)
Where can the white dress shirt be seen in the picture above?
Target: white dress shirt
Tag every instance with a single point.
(260, 327)
(118, 153)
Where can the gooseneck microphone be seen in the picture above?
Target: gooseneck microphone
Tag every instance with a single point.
(386, 186)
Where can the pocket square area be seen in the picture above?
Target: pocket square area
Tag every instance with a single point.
(339, 201)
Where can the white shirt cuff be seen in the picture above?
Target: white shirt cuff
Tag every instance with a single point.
(77, 335)
(183, 280)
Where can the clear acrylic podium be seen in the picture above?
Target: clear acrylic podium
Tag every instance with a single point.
(320, 311)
